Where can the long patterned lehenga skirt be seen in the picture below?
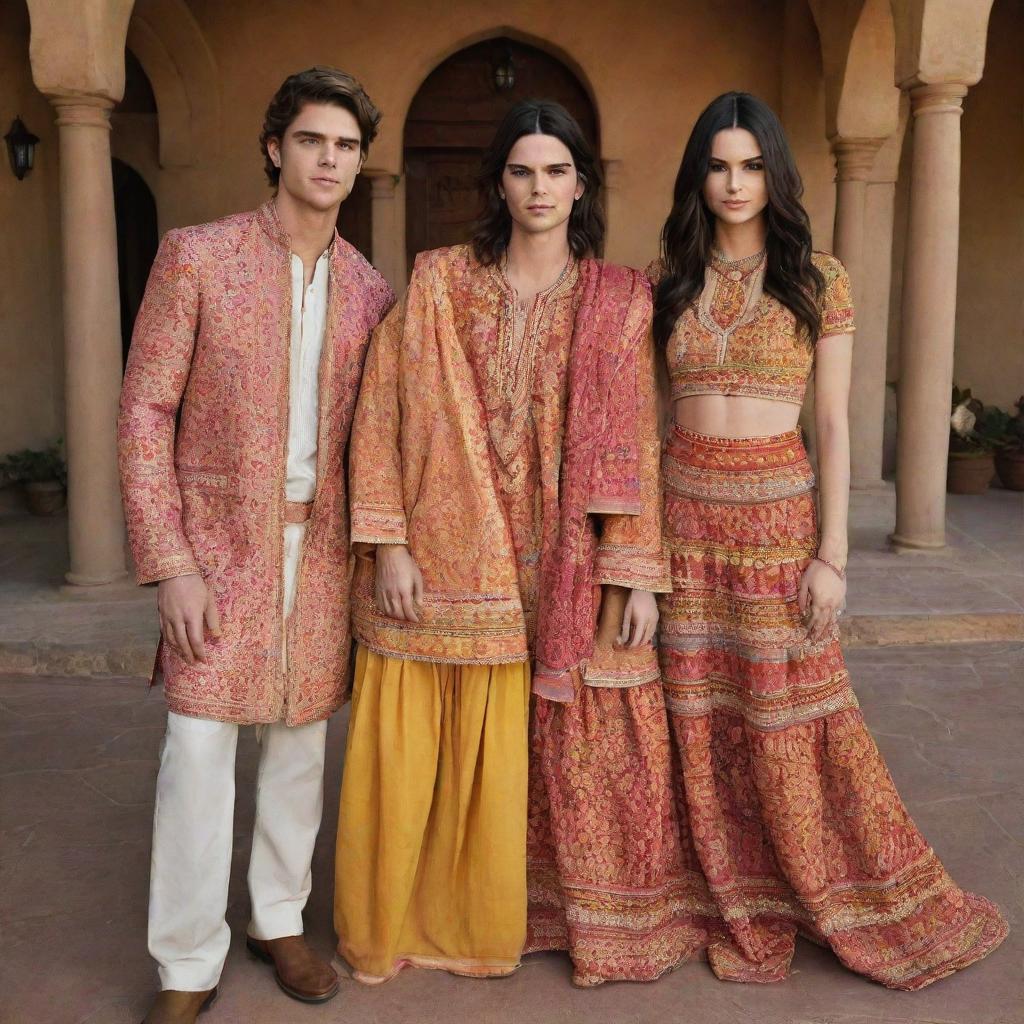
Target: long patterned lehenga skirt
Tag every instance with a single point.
(612, 877)
(794, 817)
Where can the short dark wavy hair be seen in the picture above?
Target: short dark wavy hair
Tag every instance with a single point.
(320, 84)
(494, 225)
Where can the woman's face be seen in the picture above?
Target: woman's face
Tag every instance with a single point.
(539, 183)
(735, 188)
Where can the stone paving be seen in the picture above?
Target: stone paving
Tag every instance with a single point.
(77, 768)
(972, 590)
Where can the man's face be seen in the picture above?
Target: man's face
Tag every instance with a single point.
(319, 156)
(540, 184)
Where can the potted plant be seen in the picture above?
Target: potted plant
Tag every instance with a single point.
(971, 465)
(43, 475)
(1010, 447)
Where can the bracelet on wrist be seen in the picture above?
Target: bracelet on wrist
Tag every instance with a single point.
(841, 573)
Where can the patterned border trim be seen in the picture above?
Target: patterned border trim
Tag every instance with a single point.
(619, 681)
(611, 507)
(625, 566)
(168, 568)
(771, 712)
(729, 487)
(378, 525)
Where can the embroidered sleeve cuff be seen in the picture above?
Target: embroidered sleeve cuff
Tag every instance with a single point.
(373, 524)
(837, 321)
(630, 567)
(165, 568)
(620, 667)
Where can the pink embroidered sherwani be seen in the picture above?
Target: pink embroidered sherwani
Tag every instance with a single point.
(213, 336)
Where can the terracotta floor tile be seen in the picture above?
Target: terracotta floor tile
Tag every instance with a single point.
(76, 789)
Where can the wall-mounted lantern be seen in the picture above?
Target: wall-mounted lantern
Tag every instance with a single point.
(21, 148)
(505, 72)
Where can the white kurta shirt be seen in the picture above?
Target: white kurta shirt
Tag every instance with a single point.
(309, 320)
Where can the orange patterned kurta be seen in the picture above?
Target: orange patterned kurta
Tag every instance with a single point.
(795, 820)
(457, 451)
(475, 484)
(212, 337)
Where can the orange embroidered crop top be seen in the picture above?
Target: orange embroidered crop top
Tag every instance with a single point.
(737, 340)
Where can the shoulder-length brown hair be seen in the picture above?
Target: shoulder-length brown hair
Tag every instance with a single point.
(494, 225)
(319, 84)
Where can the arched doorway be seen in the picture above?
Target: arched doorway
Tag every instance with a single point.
(134, 205)
(453, 117)
(354, 223)
(137, 240)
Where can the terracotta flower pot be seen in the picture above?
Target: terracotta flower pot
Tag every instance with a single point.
(45, 497)
(1010, 469)
(969, 472)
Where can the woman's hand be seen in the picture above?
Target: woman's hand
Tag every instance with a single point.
(639, 620)
(398, 586)
(822, 598)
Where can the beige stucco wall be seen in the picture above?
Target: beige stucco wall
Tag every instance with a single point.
(990, 307)
(30, 306)
(802, 109)
(649, 76)
(647, 93)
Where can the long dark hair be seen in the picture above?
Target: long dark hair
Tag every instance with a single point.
(494, 225)
(688, 236)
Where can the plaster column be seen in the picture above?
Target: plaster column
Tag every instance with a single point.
(854, 161)
(387, 240)
(92, 339)
(928, 316)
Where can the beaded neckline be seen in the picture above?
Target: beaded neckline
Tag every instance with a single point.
(730, 268)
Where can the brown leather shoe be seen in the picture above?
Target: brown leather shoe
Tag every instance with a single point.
(173, 1007)
(299, 972)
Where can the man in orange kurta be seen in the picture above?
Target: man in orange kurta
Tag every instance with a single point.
(251, 336)
(498, 448)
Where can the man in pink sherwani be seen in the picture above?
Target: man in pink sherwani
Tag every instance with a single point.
(253, 331)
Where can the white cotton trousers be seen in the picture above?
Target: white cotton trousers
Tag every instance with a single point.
(193, 831)
(192, 842)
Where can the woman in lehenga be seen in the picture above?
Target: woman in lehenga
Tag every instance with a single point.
(794, 816)
(504, 470)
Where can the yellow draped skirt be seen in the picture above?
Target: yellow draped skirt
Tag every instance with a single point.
(431, 854)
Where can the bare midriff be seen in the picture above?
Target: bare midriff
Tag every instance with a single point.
(735, 415)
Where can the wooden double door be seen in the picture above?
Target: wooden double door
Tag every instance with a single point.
(453, 118)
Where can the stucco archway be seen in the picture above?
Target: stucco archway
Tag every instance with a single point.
(452, 118)
(167, 40)
(137, 239)
(386, 170)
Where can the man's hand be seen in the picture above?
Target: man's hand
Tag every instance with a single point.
(639, 620)
(628, 617)
(185, 605)
(399, 583)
